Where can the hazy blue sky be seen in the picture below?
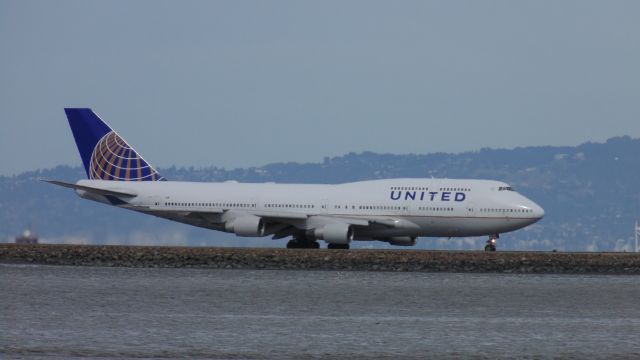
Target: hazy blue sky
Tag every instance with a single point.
(239, 83)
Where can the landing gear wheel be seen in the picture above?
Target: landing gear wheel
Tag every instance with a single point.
(491, 243)
(338, 246)
(302, 244)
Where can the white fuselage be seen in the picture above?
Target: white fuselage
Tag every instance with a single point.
(378, 209)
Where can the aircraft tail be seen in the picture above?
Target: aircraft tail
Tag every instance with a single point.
(105, 155)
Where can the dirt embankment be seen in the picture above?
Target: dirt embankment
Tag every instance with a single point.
(300, 259)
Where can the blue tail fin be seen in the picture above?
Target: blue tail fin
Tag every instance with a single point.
(105, 155)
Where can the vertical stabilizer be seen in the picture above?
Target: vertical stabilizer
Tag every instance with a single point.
(105, 155)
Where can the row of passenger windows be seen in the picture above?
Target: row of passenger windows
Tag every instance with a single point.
(506, 210)
(434, 208)
(505, 188)
(370, 207)
(419, 188)
(290, 206)
(346, 207)
(454, 189)
(381, 207)
(353, 207)
(219, 205)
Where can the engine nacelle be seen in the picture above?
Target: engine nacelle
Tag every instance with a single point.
(335, 233)
(401, 241)
(248, 225)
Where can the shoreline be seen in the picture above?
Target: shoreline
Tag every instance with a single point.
(322, 259)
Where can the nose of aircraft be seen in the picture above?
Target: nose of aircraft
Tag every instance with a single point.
(538, 211)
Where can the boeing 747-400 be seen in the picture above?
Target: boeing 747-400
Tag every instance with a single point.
(395, 211)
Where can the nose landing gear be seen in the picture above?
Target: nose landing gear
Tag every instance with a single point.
(491, 243)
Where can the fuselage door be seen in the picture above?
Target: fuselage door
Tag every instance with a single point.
(324, 206)
(153, 201)
(471, 209)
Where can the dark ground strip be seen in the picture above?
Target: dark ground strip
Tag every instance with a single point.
(322, 259)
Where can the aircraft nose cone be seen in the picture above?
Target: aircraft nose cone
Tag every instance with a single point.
(538, 211)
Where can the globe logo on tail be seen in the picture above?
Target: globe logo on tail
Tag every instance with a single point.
(114, 159)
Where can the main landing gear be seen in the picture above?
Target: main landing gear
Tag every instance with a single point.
(302, 243)
(491, 243)
(338, 246)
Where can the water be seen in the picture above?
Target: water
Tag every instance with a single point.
(90, 312)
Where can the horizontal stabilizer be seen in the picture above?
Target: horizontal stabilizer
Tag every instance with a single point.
(186, 211)
(98, 191)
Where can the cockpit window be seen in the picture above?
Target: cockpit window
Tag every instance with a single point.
(505, 188)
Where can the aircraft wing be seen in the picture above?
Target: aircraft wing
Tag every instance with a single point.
(281, 223)
(351, 220)
(365, 220)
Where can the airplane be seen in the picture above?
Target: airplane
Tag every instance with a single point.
(394, 211)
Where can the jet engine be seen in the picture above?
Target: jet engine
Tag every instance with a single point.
(335, 233)
(247, 225)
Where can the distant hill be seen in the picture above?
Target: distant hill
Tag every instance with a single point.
(591, 194)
